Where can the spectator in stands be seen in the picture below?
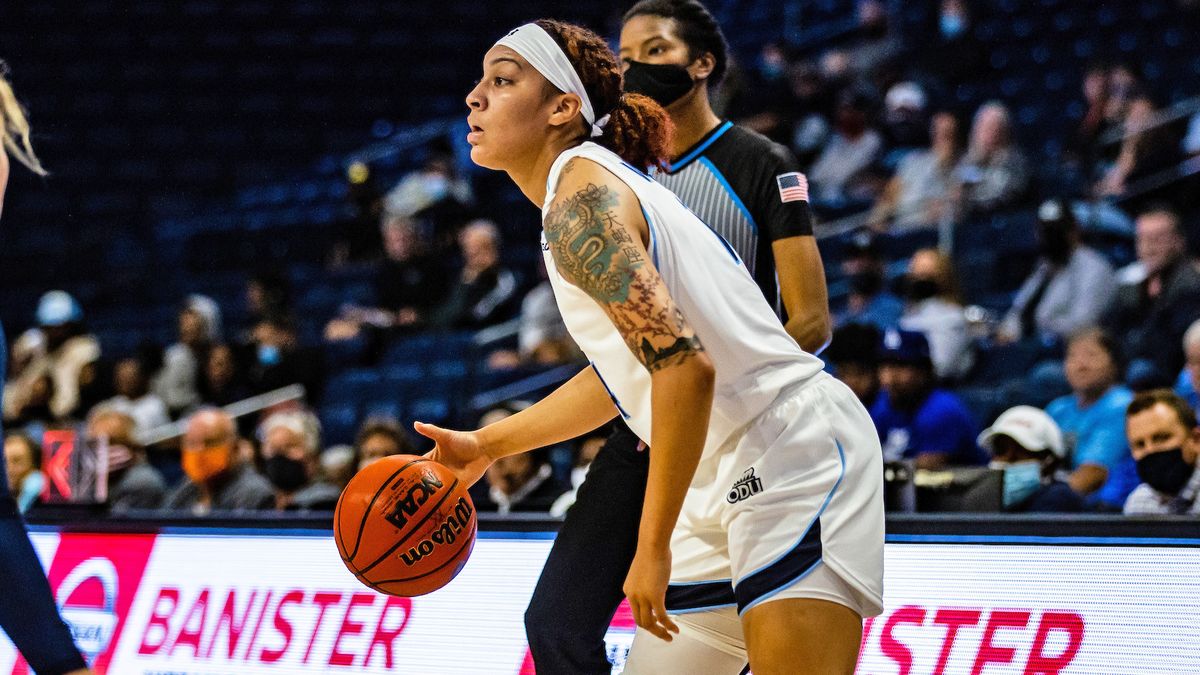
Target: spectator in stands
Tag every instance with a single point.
(278, 359)
(23, 352)
(291, 448)
(518, 483)
(853, 354)
(837, 175)
(1165, 441)
(35, 414)
(222, 383)
(177, 384)
(812, 109)
(764, 103)
(338, 465)
(1151, 315)
(1071, 285)
(408, 285)
(905, 118)
(1092, 416)
(69, 357)
(542, 338)
(956, 55)
(994, 174)
(132, 482)
(134, 397)
(1028, 446)
(381, 437)
(1191, 141)
(1149, 146)
(915, 419)
(435, 182)
(23, 462)
(919, 194)
(869, 300)
(1124, 86)
(933, 307)
(586, 449)
(485, 292)
(218, 479)
(268, 293)
(876, 43)
(1084, 137)
(1188, 383)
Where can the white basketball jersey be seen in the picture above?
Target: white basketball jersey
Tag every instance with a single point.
(754, 358)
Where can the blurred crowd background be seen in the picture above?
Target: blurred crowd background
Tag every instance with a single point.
(249, 196)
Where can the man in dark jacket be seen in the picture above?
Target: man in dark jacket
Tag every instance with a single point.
(1152, 315)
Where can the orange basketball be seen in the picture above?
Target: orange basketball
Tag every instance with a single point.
(405, 525)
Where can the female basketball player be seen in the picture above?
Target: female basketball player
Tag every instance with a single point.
(27, 611)
(764, 493)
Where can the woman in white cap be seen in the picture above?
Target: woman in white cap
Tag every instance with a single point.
(1028, 446)
(761, 537)
(27, 612)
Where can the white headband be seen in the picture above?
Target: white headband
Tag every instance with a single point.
(541, 51)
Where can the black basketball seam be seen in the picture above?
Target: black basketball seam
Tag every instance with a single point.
(469, 540)
(413, 529)
(367, 511)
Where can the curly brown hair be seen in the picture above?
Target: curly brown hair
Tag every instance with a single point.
(638, 129)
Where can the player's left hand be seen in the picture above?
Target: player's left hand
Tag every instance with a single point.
(646, 588)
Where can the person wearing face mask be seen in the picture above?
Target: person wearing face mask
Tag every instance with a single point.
(954, 56)
(853, 148)
(291, 445)
(933, 308)
(870, 302)
(1165, 441)
(1028, 446)
(1071, 285)
(732, 178)
(132, 482)
(217, 478)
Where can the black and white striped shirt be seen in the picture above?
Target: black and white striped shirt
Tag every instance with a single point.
(728, 179)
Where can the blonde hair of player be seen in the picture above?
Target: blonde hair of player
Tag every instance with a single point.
(14, 127)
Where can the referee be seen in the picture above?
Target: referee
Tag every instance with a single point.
(748, 189)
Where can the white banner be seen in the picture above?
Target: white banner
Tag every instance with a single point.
(180, 604)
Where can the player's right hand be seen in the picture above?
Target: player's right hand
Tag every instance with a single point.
(459, 451)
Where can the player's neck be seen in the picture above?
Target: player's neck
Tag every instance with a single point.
(530, 176)
(694, 119)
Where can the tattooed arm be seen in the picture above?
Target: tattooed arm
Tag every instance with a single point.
(597, 233)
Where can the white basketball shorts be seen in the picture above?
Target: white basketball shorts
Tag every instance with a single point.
(801, 489)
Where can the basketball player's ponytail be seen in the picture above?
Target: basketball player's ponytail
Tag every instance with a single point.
(14, 128)
(638, 129)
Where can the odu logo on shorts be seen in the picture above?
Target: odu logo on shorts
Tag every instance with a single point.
(747, 486)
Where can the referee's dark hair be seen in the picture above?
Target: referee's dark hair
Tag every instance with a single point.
(697, 28)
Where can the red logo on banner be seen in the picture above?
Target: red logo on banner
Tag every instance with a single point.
(95, 578)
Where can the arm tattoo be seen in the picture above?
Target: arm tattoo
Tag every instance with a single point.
(594, 251)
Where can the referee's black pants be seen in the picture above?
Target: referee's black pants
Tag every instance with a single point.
(580, 587)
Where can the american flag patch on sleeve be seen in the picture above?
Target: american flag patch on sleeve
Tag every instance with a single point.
(793, 187)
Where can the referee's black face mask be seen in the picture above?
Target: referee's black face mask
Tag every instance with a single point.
(666, 83)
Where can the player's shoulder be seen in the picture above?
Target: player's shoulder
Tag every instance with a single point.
(581, 173)
(747, 144)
